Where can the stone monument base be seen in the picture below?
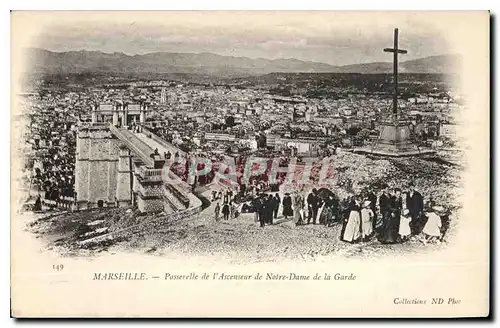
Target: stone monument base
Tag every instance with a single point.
(394, 141)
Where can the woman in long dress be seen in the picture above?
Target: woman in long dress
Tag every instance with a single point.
(352, 228)
(328, 212)
(390, 228)
(319, 215)
(298, 208)
(38, 203)
(432, 228)
(233, 211)
(404, 225)
(366, 220)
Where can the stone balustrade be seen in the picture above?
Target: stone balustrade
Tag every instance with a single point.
(148, 174)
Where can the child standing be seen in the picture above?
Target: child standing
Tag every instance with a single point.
(432, 228)
(404, 225)
(366, 220)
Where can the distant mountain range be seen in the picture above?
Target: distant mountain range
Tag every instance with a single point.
(49, 62)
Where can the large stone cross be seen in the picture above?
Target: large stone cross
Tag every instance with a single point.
(396, 51)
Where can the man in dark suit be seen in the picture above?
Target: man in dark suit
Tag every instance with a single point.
(270, 204)
(415, 204)
(312, 205)
(260, 208)
(225, 211)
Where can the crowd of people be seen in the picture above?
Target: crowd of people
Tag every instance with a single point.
(391, 216)
(228, 208)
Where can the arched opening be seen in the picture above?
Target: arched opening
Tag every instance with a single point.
(100, 203)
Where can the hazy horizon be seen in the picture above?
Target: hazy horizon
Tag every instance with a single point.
(335, 38)
(253, 58)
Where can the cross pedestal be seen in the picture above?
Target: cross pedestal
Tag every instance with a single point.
(394, 136)
(394, 139)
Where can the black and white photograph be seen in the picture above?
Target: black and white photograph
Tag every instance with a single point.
(245, 139)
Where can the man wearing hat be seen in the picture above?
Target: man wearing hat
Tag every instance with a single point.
(258, 204)
(312, 204)
(287, 206)
(415, 204)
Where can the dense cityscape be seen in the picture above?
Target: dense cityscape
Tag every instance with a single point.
(250, 163)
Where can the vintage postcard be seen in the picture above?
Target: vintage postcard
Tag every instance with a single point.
(250, 164)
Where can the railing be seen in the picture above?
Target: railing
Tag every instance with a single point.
(151, 174)
(63, 202)
(99, 124)
(92, 125)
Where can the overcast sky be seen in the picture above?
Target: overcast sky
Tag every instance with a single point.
(330, 37)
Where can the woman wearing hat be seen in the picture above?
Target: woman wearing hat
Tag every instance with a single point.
(366, 220)
(432, 228)
(404, 224)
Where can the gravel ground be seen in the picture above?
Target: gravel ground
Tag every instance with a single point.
(243, 240)
(240, 239)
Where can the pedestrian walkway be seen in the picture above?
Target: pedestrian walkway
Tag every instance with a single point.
(162, 147)
(134, 143)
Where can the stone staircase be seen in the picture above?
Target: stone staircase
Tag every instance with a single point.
(171, 200)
